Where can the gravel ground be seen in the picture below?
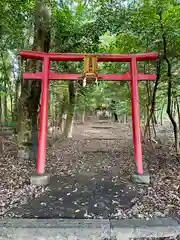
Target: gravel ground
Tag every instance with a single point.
(91, 178)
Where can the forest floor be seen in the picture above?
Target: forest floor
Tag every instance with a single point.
(91, 177)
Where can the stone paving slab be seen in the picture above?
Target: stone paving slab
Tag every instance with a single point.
(52, 229)
(77, 229)
(139, 228)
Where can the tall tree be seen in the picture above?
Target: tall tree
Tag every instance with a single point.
(31, 90)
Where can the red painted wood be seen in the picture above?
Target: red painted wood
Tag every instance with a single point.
(136, 117)
(80, 56)
(41, 161)
(105, 77)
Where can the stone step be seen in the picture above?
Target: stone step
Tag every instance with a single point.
(90, 229)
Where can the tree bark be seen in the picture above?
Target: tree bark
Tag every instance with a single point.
(1, 111)
(162, 111)
(153, 102)
(148, 102)
(5, 106)
(71, 109)
(153, 127)
(31, 90)
(169, 90)
(124, 118)
(7, 86)
(62, 111)
(41, 42)
(83, 114)
(169, 111)
(145, 114)
(178, 110)
(19, 80)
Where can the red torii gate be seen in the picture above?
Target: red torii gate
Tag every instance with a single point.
(46, 75)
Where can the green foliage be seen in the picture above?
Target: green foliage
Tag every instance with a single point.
(95, 26)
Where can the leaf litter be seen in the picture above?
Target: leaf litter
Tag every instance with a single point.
(103, 162)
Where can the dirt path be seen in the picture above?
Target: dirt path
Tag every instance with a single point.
(91, 179)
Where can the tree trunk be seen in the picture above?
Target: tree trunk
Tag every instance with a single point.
(57, 107)
(83, 114)
(169, 92)
(5, 109)
(11, 109)
(71, 108)
(174, 109)
(169, 112)
(153, 127)
(124, 118)
(18, 84)
(148, 102)
(153, 102)
(154, 119)
(7, 88)
(31, 90)
(145, 114)
(21, 110)
(63, 111)
(162, 111)
(41, 42)
(149, 127)
(7, 85)
(178, 110)
(1, 110)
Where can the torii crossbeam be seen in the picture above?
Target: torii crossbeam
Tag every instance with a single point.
(46, 76)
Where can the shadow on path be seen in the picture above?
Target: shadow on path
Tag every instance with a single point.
(81, 197)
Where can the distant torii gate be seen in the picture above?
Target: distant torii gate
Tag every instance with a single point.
(46, 75)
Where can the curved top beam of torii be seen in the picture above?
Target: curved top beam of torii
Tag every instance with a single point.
(80, 56)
